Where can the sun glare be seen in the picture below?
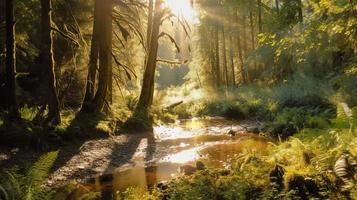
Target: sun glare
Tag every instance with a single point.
(182, 8)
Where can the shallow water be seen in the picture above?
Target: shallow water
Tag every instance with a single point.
(178, 146)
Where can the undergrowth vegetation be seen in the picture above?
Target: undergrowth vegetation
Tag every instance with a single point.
(17, 185)
(303, 167)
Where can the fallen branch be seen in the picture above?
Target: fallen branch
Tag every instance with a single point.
(174, 105)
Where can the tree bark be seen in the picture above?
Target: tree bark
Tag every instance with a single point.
(301, 17)
(277, 7)
(252, 32)
(252, 29)
(245, 38)
(150, 20)
(2, 33)
(217, 60)
(93, 61)
(231, 56)
(240, 50)
(147, 89)
(260, 25)
(212, 57)
(105, 53)
(48, 63)
(10, 61)
(224, 49)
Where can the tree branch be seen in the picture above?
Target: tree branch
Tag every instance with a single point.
(65, 35)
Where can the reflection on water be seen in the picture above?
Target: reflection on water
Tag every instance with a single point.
(195, 127)
(180, 144)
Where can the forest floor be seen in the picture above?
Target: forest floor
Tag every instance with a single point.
(81, 160)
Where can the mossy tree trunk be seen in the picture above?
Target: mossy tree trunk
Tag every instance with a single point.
(48, 63)
(10, 61)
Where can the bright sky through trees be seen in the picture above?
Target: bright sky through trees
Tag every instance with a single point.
(183, 8)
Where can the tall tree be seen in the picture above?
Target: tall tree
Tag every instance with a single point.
(240, 48)
(217, 59)
(10, 61)
(300, 12)
(231, 57)
(105, 53)
(93, 61)
(101, 51)
(224, 50)
(260, 25)
(48, 63)
(277, 7)
(150, 20)
(147, 90)
(2, 32)
(252, 34)
(141, 119)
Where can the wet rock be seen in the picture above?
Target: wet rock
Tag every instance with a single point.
(106, 179)
(305, 187)
(283, 131)
(254, 130)
(277, 177)
(231, 133)
(189, 169)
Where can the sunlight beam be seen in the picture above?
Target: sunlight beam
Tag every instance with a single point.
(183, 8)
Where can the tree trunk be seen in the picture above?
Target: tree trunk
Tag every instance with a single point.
(147, 89)
(277, 7)
(48, 63)
(252, 29)
(240, 53)
(245, 38)
(252, 32)
(217, 60)
(260, 25)
(105, 53)
(10, 60)
(224, 49)
(231, 56)
(301, 17)
(150, 20)
(2, 33)
(93, 61)
(212, 57)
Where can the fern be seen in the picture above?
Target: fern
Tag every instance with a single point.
(17, 186)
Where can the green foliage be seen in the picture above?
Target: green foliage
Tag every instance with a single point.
(15, 185)
(139, 194)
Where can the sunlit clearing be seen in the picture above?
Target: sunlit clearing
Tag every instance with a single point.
(183, 9)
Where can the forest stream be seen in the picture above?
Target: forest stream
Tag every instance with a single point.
(175, 151)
